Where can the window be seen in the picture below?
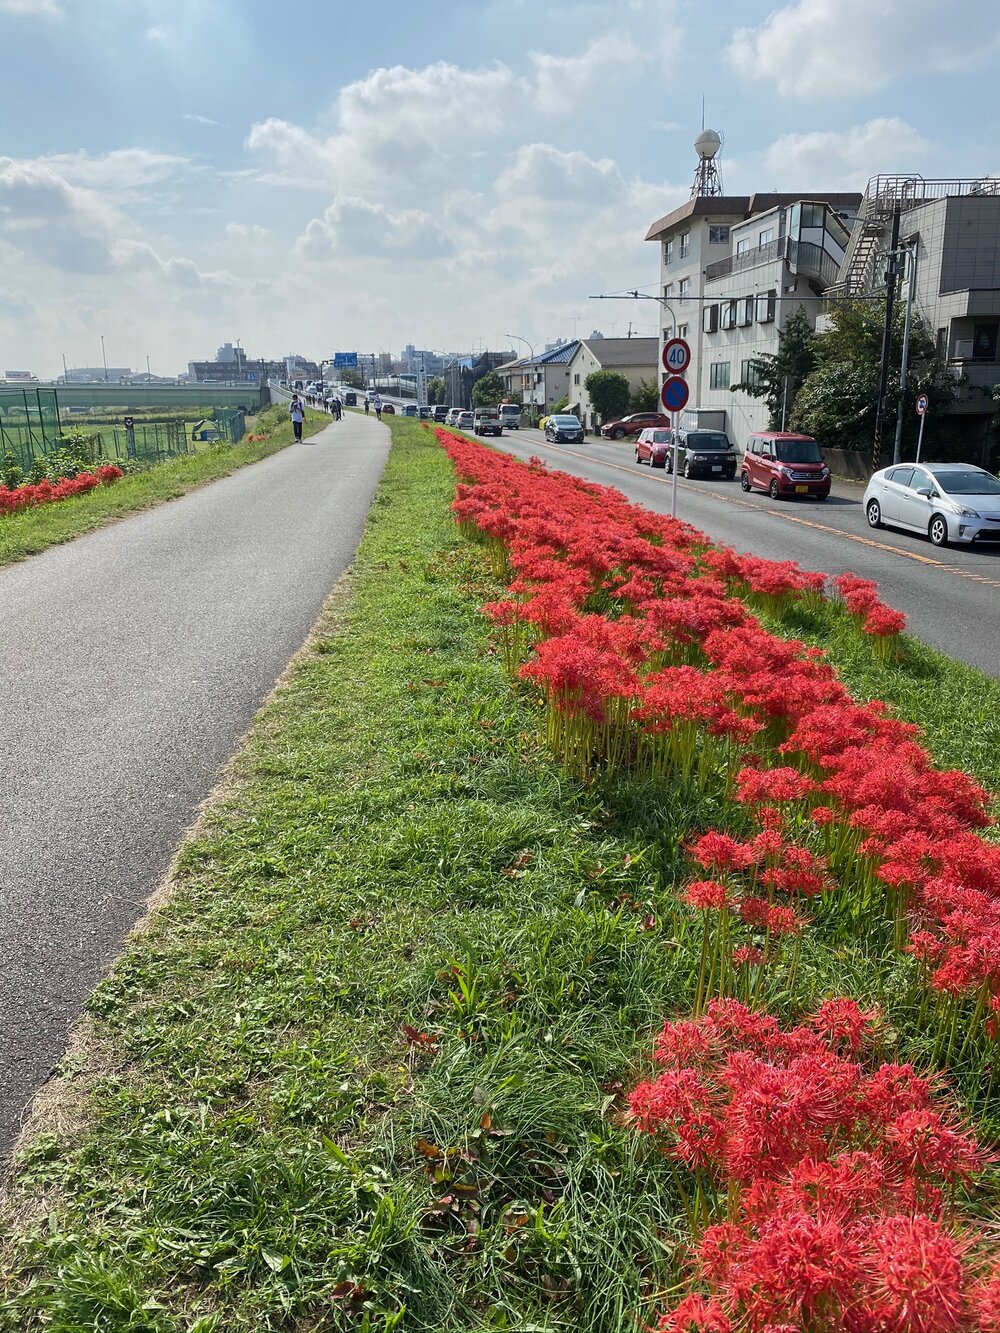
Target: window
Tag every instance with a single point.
(668, 290)
(718, 235)
(682, 330)
(766, 237)
(576, 379)
(743, 245)
(728, 314)
(710, 318)
(744, 311)
(718, 375)
(941, 343)
(685, 244)
(667, 333)
(750, 373)
(766, 306)
(668, 252)
(901, 475)
(813, 215)
(684, 287)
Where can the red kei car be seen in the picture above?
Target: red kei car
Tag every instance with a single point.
(632, 425)
(784, 464)
(653, 446)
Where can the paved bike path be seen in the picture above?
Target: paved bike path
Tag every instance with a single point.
(131, 662)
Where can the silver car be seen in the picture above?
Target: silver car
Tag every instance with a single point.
(946, 502)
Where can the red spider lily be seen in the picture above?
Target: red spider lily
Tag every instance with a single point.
(19, 498)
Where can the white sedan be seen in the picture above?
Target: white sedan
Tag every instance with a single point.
(945, 502)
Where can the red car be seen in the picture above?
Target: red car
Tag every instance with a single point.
(632, 425)
(653, 446)
(785, 464)
(388, 408)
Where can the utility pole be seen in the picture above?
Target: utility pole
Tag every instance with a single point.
(910, 254)
(104, 358)
(883, 379)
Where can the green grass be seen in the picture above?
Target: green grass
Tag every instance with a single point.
(35, 530)
(272, 1142)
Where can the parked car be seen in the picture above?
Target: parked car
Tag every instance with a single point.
(784, 464)
(409, 409)
(452, 417)
(653, 446)
(464, 420)
(704, 453)
(632, 425)
(946, 502)
(388, 407)
(563, 426)
(439, 412)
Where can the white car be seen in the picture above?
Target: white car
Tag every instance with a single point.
(946, 502)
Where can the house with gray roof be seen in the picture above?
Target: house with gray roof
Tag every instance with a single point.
(635, 358)
(542, 380)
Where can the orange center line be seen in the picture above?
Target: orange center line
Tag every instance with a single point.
(789, 518)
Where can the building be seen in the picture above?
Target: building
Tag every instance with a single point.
(732, 269)
(543, 380)
(947, 234)
(95, 375)
(462, 372)
(635, 358)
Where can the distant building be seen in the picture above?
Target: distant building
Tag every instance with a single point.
(461, 373)
(94, 375)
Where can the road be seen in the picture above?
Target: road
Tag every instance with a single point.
(133, 661)
(951, 596)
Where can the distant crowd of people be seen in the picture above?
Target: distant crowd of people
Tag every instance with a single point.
(335, 406)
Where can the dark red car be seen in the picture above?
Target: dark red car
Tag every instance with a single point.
(633, 424)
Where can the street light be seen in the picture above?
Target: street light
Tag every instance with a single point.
(518, 339)
(104, 358)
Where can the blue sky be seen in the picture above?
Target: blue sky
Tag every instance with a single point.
(327, 175)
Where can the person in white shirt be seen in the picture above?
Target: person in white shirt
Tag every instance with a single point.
(298, 414)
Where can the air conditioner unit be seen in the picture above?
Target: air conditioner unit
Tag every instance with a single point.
(964, 349)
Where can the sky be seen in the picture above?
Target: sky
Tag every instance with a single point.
(328, 176)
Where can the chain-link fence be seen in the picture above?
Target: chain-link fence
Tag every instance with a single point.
(30, 428)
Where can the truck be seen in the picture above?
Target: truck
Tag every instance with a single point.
(510, 415)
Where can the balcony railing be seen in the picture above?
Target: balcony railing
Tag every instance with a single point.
(812, 261)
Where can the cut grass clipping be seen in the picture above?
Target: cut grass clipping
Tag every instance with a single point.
(34, 530)
(365, 1069)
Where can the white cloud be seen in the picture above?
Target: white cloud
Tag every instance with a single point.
(13, 308)
(242, 231)
(203, 120)
(823, 49)
(561, 81)
(120, 172)
(843, 159)
(140, 257)
(43, 215)
(29, 7)
(360, 228)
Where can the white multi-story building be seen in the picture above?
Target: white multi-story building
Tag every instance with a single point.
(732, 269)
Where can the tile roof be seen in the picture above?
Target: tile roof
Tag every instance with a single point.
(623, 351)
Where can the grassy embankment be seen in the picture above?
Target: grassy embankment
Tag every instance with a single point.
(364, 1069)
(34, 530)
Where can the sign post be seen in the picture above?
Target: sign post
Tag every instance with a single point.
(674, 396)
(922, 405)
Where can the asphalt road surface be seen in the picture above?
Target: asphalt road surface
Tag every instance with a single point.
(951, 595)
(132, 661)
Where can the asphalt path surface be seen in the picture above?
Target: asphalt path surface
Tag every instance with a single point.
(133, 660)
(951, 595)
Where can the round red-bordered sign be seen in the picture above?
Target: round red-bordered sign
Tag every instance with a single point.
(676, 356)
(674, 394)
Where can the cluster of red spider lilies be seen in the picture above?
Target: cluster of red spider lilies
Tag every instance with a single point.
(821, 1187)
(646, 642)
(30, 496)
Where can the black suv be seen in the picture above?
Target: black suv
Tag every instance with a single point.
(704, 453)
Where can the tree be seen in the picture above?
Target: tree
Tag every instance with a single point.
(837, 400)
(353, 378)
(488, 391)
(436, 390)
(777, 376)
(646, 398)
(609, 392)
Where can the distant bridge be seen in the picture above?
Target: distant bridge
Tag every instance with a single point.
(131, 397)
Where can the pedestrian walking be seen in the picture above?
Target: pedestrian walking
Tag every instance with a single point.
(367, 405)
(338, 408)
(377, 404)
(298, 414)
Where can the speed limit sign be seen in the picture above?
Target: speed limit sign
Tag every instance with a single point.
(676, 356)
